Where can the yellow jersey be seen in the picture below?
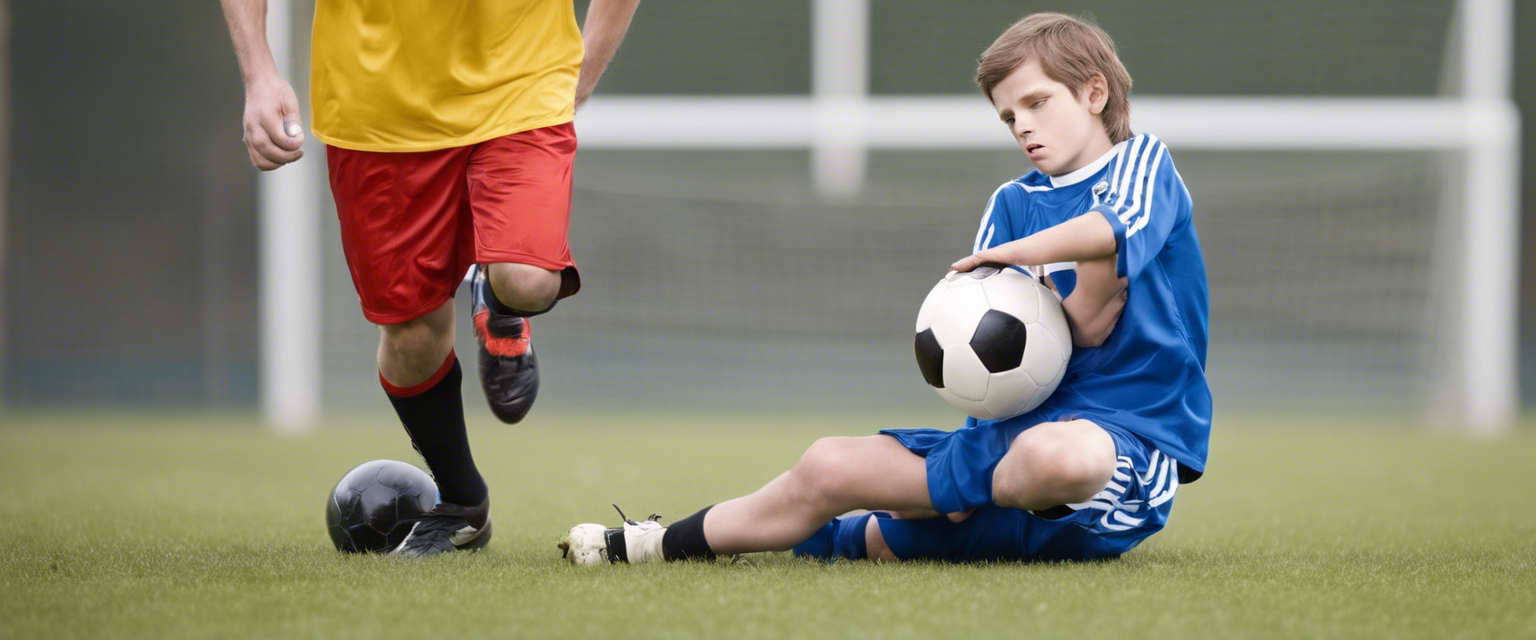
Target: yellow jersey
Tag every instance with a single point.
(418, 75)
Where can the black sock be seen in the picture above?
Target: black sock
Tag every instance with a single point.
(684, 539)
(433, 415)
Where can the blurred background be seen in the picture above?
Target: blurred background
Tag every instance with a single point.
(736, 258)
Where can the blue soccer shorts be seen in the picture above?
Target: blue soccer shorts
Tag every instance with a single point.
(1135, 504)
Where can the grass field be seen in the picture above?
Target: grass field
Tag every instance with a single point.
(207, 526)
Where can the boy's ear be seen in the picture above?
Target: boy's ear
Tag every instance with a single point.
(1097, 93)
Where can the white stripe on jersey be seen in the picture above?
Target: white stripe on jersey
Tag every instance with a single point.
(1133, 182)
(1160, 483)
(1058, 266)
(1171, 488)
(1121, 518)
(1152, 464)
(984, 233)
(1132, 204)
(1123, 165)
(1164, 472)
(1131, 192)
(1151, 184)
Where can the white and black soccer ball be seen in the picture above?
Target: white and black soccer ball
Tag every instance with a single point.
(993, 341)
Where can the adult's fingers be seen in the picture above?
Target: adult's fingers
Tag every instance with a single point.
(283, 129)
(261, 143)
(260, 162)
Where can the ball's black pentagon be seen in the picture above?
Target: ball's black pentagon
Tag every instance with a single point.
(999, 341)
(930, 358)
(365, 510)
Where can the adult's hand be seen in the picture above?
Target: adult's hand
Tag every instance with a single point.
(273, 135)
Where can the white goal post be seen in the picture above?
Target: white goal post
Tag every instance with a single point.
(840, 123)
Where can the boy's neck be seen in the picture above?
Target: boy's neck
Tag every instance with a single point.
(1095, 149)
(1083, 171)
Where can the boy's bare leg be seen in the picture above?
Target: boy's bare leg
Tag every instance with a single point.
(1048, 465)
(874, 543)
(834, 476)
(1054, 463)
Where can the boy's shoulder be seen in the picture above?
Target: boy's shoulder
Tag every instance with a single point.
(1131, 155)
(1023, 186)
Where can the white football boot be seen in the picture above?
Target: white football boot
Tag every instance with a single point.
(632, 542)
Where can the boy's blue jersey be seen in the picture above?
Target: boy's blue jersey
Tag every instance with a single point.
(1149, 375)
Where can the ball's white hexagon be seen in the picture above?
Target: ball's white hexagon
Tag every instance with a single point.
(1041, 393)
(953, 309)
(1015, 294)
(930, 305)
(964, 374)
(970, 407)
(1052, 315)
(1009, 393)
(1044, 357)
(956, 314)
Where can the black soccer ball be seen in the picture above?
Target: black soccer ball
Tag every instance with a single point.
(365, 510)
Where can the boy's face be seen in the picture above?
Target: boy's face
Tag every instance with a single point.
(1059, 131)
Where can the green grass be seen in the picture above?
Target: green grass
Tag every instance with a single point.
(207, 526)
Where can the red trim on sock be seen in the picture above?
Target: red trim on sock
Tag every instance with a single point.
(423, 386)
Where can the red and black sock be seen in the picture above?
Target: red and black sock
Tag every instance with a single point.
(433, 415)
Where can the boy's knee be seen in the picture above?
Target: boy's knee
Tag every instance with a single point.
(822, 472)
(1053, 464)
(524, 287)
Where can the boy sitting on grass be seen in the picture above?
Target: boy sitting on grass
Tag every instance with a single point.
(1092, 471)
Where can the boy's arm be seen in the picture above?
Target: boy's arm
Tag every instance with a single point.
(606, 23)
(273, 136)
(1089, 240)
(1086, 237)
(1096, 302)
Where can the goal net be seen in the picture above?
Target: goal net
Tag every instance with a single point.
(770, 251)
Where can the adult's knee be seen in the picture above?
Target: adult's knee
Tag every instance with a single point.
(524, 287)
(420, 334)
(412, 351)
(1053, 464)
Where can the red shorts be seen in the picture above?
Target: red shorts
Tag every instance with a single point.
(413, 222)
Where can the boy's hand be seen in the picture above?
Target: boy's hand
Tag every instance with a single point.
(1007, 253)
(1086, 237)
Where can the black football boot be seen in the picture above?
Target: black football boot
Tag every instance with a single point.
(447, 527)
(509, 370)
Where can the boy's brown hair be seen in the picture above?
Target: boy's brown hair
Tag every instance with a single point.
(1070, 51)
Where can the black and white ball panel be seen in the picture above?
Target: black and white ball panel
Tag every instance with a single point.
(993, 341)
(1050, 343)
(930, 358)
(999, 341)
